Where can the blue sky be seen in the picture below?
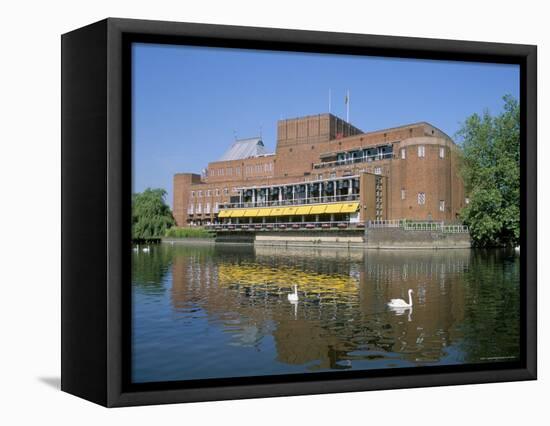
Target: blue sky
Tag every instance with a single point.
(189, 102)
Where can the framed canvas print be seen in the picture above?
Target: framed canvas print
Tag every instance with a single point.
(253, 212)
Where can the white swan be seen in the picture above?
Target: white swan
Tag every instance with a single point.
(145, 249)
(400, 303)
(136, 248)
(293, 297)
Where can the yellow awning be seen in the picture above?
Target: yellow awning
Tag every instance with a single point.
(238, 213)
(277, 211)
(263, 212)
(334, 208)
(250, 213)
(318, 209)
(303, 210)
(289, 211)
(349, 208)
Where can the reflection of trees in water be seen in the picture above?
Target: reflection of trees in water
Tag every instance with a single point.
(243, 289)
(491, 324)
(149, 269)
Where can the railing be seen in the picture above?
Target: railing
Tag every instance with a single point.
(422, 226)
(362, 159)
(285, 226)
(395, 223)
(408, 225)
(295, 202)
(455, 229)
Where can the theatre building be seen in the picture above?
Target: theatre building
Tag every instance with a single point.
(326, 171)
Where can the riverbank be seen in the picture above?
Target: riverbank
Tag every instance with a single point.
(380, 239)
(173, 240)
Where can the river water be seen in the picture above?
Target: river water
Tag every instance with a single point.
(217, 311)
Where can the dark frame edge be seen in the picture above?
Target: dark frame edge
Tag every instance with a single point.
(529, 237)
(320, 387)
(83, 254)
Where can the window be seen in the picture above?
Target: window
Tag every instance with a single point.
(199, 208)
(207, 208)
(200, 193)
(333, 175)
(441, 152)
(229, 171)
(441, 205)
(403, 153)
(320, 176)
(378, 170)
(225, 191)
(192, 194)
(208, 193)
(421, 198)
(421, 151)
(238, 170)
(403, 194)
(217, 192)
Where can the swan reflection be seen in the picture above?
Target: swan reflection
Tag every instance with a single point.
(402, 311)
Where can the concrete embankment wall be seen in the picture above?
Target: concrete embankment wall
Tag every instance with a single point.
(236, 237)
(398, 238)
(311, 238)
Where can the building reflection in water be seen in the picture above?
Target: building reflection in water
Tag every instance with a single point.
(341, 320)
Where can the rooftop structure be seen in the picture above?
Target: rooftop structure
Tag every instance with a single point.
(244, 148)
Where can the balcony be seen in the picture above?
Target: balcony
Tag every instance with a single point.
(348, 161)
(293, 202)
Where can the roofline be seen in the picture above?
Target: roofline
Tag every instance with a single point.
(259, 138)
(404, 126)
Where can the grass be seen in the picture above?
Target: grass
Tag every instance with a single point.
(198, 232)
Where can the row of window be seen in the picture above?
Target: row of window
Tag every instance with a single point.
(209, 192)
(198, 209)
(421, 199)
(421, 152)
(249, 170)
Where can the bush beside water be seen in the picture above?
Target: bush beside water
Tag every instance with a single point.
(197, 232)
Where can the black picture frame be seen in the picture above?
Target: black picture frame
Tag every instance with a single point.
(96, 193)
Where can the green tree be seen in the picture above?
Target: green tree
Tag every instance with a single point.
(490, 168)
(151, 216)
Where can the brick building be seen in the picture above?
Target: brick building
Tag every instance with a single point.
(326, 170)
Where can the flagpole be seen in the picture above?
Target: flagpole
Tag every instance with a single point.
(347, 107)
